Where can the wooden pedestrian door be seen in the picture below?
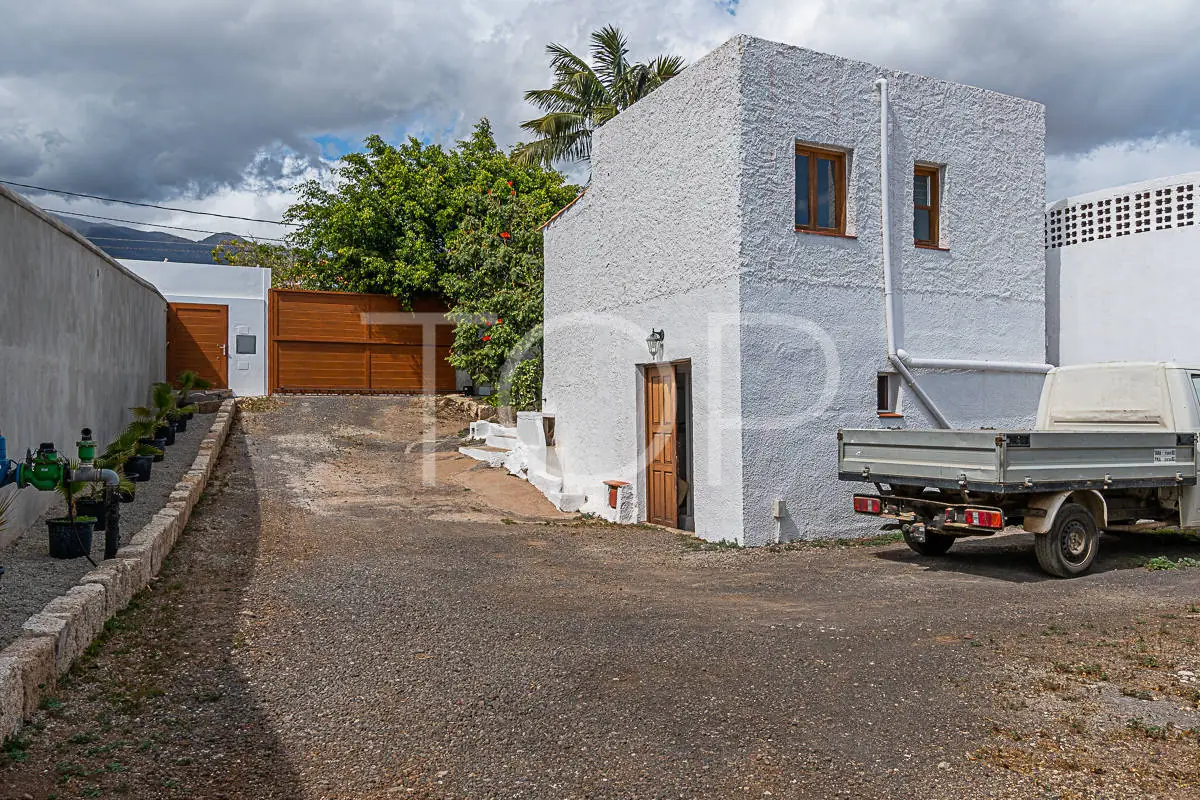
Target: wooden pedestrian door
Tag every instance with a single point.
(662, 505)
(198, 340)
(359, 343)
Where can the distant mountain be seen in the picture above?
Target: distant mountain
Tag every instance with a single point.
(121, 242)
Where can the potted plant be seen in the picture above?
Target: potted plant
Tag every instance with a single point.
(158, 412)
(70, 536)
(188, 381)
(143, 450)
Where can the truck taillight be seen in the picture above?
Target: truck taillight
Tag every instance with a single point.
(982, 518)
(867, 505)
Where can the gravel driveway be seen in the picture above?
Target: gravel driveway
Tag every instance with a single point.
(352, 614)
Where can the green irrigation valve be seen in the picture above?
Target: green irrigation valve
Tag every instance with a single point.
(87, 447)
(45, 471)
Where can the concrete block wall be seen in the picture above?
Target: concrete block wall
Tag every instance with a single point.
(81, 340)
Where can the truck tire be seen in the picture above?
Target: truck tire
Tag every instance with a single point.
(1070, 547)
(935, 544)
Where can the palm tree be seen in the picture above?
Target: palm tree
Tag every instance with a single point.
(584, 97)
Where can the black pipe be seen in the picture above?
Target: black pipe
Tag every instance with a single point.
(112, 527)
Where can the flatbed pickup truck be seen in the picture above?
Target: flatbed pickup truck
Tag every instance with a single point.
(1114, 449)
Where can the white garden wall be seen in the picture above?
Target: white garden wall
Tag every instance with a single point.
(1122, 267)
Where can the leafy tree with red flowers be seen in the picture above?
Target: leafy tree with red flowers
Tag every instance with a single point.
(460, 223)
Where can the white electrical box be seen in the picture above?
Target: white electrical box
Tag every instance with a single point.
(778, 509)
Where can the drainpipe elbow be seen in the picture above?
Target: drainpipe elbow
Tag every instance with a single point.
(92, 475)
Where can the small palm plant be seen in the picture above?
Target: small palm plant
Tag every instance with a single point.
(162, 402)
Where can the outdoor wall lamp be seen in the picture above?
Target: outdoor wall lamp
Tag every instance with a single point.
(654, 343)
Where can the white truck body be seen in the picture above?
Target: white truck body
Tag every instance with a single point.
(1114, 446)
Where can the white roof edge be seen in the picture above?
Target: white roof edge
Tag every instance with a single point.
(27, 204)
(1103, 194)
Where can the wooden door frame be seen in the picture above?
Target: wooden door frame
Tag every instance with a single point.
(224, 311)
(645, 370)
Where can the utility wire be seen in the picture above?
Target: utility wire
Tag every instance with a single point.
(159, 225)
(188, 243)
(142, 205)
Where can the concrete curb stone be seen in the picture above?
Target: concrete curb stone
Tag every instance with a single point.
(52, 639)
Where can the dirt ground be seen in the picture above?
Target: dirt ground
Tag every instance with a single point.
(356, 611)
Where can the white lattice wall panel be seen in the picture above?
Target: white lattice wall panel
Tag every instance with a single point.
(1148, 209)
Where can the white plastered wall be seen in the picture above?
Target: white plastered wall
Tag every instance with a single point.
(653, 244)
(810, 367)
(1125, 293)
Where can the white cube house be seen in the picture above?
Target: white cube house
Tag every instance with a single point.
(738, 211)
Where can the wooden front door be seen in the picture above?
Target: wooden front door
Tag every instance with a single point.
(197, 339)
(662, 504)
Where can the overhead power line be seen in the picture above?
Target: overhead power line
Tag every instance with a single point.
(159, 225)
(142, 205)
(151, 241)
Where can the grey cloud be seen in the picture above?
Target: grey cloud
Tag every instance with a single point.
(154, 100)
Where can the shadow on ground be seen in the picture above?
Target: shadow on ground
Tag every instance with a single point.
(1011, 557)
(157, 708)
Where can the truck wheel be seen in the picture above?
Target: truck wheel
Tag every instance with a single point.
(1069, 548)
(935, 544)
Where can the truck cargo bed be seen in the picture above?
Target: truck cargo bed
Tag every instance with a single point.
(1010, 462)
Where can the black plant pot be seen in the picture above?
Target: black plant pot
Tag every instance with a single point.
(127, 495)
(166, 433)
(138, 468)
(186, 416)
(180, 424)
(93, 508)
(70, 539)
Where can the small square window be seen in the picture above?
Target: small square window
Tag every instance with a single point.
(246, 345)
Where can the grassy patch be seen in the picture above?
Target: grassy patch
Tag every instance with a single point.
(890, 537)
(696, 544)
(1162, 563)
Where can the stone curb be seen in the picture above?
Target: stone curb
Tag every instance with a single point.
(52, 639)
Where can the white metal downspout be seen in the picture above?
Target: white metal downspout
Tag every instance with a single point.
(889, 293)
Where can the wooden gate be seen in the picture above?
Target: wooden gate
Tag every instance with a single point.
(198, 339)
(662, 503)
(345, 342)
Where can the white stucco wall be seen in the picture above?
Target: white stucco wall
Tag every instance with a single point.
(689, 227)
(652, 244)
(243, 289)
(1111, 291)
(980, 298)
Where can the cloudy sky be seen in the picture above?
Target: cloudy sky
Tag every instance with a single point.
(223, 105)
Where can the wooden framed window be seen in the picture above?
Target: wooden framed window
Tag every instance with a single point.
(926, 206)
(820, 190)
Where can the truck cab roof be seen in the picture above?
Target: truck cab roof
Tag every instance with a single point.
(1121, 395)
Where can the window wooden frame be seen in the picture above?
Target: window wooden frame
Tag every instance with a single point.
(838, 157)
(934, 207)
